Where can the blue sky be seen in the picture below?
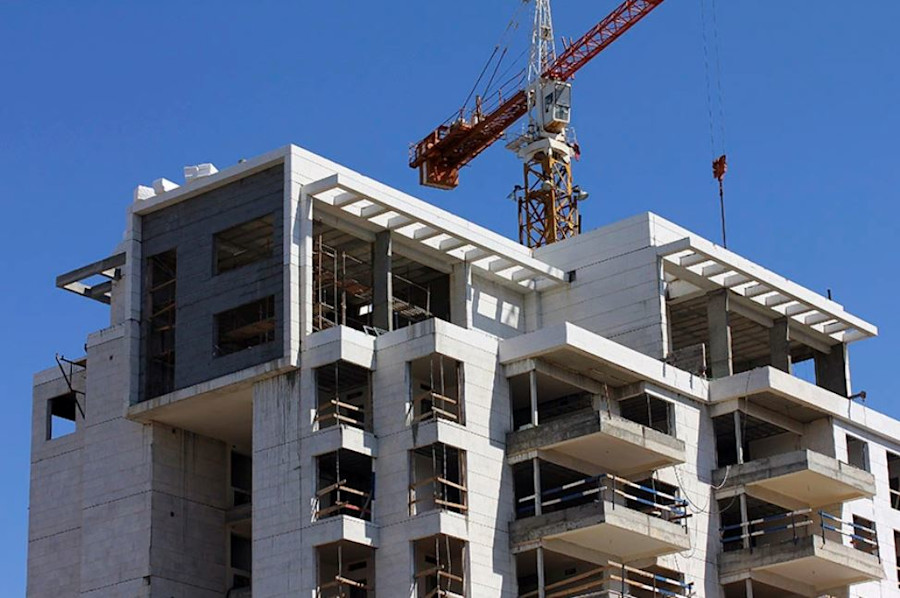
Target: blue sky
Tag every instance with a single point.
(101, 96)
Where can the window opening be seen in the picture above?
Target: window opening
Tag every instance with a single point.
(648, 411)
(245, 327)
(438, 479)
(240, 560)
(160, 295)
(346, 570)
(440, 568)
(61, 415)
(893, 467)
(863, 536)
(858, 453)
(241, 479)
(436, 389)
(345, 487)
(244, 244)
(344, 396)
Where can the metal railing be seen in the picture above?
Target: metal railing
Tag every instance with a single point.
(794, 525)
(615, 579)
(611, 488)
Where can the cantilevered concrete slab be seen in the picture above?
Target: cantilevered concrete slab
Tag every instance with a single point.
(601, 527)
(694, 265)
(574, 348)
(799, 478)
(807, 566)
(599, 442)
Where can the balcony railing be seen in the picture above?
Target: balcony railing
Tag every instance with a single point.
(616, 580)
(607, 487)
(787, 527)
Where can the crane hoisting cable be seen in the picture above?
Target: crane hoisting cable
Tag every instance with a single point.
(548, 202)
(720, 164)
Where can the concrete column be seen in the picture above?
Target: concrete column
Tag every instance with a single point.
(833, 370)
(748, 588)
(460, 301)
(538, 499)
(533, 395)
(540, 572)
(382, 283)
(738, 437)
(720, 358)
(745, 529)
(779, 345)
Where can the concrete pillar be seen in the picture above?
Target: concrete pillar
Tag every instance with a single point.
(382, 282)
(833, 370)
(720, 358)
(745, 529)
(533, 395)
(779, 345)
(738, 437)
(748, 588)
(460, 300)
(538, 498)
(540, 572)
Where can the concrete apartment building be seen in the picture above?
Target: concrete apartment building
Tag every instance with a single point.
(315, 385)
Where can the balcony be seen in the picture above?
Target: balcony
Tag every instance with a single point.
(606, 514)
(802, 552)
(798, 478)
(601, 441)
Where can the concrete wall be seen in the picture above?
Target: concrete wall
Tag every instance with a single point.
(189, 227)
(617, 291)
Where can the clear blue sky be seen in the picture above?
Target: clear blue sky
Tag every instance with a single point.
(98, 97)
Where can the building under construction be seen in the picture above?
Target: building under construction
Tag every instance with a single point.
(316, 385)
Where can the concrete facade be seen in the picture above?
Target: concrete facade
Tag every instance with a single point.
(611, 415)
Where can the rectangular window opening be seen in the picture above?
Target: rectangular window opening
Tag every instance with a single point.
(440, 566)
(240, 559)
(161, 308)
(648, 411)
(245, 327)
(61, 415)
(244, 244)
(893, 468)
(864, 537)
(344, 396)
(858, 453)
(345, 570)
(436, 382)
(346, 482)
(241, 479)
(438, 473)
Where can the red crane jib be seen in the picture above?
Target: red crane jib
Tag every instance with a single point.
(441, 154)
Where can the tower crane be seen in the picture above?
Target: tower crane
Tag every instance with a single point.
(548, 201)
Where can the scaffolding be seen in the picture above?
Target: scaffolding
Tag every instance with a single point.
(345, 570)
(438, 397)
(346, 482)
(439, 479)
(344, 396)
(343, 292)
(439, 567)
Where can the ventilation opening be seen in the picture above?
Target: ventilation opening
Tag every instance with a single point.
(245, 327)
(244, 244)
(61, 415)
